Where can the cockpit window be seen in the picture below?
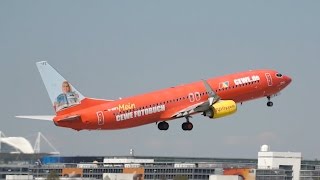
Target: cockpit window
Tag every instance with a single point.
(279, 75)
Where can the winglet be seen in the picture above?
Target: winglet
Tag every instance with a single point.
(213, 97)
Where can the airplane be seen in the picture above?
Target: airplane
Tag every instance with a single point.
(214, 98)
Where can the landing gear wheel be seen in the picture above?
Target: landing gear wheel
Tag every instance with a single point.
(187, 126)
(163, 126)
(270, 104)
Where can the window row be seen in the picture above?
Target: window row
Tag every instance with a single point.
(198, 95)
(102, 171)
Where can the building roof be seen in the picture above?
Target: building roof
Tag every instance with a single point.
(19, 144)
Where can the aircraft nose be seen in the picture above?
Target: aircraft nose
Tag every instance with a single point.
(288, 79)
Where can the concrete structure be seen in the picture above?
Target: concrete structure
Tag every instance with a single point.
(289, 161)
(92, 167)
(62, 178)
(268, 166)
(224, 177)
(19, 177)
(126, 160)
(118, 176)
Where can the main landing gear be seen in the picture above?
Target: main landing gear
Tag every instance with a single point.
(269, 103)
(187, 126)
(163, 126)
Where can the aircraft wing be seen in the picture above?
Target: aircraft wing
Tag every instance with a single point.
(198, 107)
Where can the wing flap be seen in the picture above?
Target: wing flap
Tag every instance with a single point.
(199, 107)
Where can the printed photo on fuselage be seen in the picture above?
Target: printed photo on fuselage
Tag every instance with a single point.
(67, 98)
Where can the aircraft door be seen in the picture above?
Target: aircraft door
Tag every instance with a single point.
(269, 79)
(100, 118)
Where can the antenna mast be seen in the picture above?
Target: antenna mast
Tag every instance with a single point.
(36, 146)
(38, 141)
(1, 135)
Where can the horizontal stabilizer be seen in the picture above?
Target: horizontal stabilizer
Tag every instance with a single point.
(44, 118)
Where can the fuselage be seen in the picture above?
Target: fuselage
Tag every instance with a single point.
(162, 104)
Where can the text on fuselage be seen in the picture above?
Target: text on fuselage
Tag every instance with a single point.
(123, 107)
(141, 112)
(247, 79)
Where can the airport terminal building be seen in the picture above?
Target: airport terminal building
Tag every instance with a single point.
(269, 166)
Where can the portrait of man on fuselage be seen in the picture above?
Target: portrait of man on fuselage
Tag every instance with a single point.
(67, 98)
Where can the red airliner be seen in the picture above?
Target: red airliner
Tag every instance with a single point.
(215, 97)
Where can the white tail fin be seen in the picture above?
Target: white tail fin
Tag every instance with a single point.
(62, 94)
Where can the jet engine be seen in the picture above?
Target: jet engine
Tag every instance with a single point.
(220, 109)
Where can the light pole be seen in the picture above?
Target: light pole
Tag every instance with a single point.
(0, 140)
(154, 174)
(90, 173)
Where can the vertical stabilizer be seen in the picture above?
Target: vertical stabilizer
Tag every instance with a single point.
(62, 94)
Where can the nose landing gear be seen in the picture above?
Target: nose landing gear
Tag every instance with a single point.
(269, 103)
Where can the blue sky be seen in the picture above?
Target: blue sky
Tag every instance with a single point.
(112, 49)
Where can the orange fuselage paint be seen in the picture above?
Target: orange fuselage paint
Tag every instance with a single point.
(160, 105)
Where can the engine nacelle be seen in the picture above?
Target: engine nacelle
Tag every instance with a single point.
(221, 108)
